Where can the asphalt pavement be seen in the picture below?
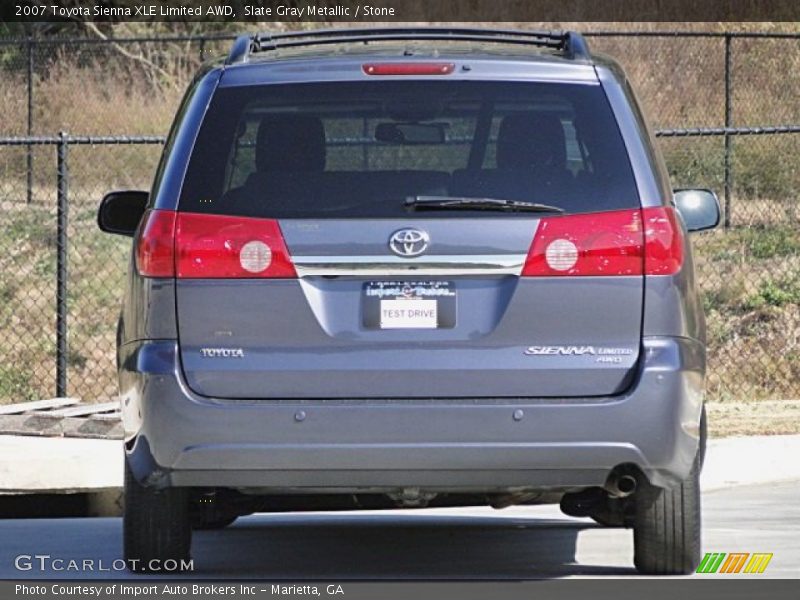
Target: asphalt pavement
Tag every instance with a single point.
(515, 543)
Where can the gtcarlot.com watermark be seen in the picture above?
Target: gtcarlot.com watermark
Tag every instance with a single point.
(47, 563)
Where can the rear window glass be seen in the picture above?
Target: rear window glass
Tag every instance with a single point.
(360, 149)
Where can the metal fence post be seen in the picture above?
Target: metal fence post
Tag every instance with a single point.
(62, 181)
(728, 124)
(30, 119)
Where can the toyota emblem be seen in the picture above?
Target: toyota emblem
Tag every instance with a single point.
(409, 242)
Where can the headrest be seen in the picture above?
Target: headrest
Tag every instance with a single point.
(290, 143)
(531, 141)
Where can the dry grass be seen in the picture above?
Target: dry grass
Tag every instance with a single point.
(91, 100)
(770, 417)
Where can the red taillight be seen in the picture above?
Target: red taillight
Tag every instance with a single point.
(214, 246)
(625, 242)
(663, 241)
(155, 244)
(409, 68)
(607, 243)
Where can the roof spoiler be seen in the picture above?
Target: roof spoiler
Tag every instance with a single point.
(570, 43)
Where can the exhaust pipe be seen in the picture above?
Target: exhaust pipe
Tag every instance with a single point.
(621, 485)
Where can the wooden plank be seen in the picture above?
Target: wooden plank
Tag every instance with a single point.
(23, 407)
(80, 427)
(83, 410)
(95, 428)
(115, 416)
(29, 425)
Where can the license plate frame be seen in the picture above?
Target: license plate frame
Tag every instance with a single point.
(390, 295)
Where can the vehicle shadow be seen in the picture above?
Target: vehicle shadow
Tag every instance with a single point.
(330, 546)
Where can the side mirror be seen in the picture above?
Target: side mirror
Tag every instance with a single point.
(120, 212)
(698, 208)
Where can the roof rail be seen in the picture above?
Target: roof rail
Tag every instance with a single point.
(571, 43)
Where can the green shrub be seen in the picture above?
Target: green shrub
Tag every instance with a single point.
(775, 293)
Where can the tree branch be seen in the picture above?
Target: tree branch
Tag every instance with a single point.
(140, 58)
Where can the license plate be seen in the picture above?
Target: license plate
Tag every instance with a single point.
(409, 305)
(409, 313)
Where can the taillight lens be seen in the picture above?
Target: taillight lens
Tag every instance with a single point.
(607, 243)
(663, 237)
(409, 68)
(625, 242)
(155, 244)
(214, 246)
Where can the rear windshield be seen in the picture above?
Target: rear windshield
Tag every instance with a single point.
(361, 149)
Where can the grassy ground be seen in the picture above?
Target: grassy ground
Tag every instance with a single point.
(769, 417)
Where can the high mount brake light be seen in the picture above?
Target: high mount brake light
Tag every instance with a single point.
(193, 246)
(617, 243)
(408, 68)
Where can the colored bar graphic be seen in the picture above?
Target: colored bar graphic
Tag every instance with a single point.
(734, 562)
(758, 563)
(710, 562)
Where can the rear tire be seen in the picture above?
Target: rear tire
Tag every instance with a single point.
(155, 525)
(666, 531)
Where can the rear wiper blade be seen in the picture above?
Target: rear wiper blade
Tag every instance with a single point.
(467, 203)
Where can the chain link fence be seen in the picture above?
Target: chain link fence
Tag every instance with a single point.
(725, 107)
(61, 279)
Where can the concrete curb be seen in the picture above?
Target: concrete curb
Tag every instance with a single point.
(30, 464)
(58, 476)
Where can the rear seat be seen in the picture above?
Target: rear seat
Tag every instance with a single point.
(531, 162)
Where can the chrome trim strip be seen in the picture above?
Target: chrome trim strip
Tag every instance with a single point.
(445, 264)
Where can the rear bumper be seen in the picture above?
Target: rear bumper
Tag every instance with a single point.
(176, 438)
